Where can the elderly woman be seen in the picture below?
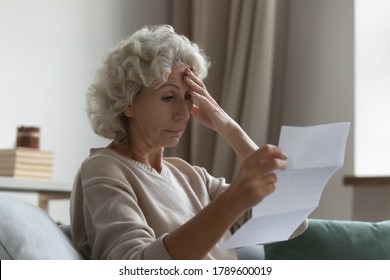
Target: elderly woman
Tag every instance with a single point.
(128, 201)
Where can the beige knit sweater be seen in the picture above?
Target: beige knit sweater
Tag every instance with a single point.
(122, 209)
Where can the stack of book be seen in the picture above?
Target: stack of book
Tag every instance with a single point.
(26, 162)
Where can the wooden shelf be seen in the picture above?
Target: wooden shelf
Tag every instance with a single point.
(355, 181)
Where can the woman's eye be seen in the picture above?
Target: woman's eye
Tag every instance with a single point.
(188, 97)
(167, 98)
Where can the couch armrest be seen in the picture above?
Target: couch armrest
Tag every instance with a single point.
(339, 240)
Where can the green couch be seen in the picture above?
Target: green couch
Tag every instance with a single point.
(335, 240)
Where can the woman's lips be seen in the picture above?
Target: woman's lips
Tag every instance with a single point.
(175, 132)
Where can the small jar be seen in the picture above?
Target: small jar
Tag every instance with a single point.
(28, 137)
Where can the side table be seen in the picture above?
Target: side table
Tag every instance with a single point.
(46, 189)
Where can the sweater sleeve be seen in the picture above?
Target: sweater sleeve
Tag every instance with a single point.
(110, 223)
(116, 227)
(217, 185)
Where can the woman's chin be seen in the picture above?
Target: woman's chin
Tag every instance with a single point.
(172, 143)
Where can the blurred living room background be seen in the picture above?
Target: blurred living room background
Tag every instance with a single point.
(335, 67)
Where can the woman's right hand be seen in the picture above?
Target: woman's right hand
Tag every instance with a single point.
(255, 179)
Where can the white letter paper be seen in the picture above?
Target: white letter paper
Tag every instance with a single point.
(314, 154)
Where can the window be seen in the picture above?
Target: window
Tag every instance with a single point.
(372, 87)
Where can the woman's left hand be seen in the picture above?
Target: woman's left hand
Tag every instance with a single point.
(205, 108)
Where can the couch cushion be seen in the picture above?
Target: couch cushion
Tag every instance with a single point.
(339, 240)
(255, 252)
(27, 232)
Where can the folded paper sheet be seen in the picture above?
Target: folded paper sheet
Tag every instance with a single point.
(314, 154)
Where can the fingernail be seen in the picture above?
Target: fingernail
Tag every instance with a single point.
(285, 156)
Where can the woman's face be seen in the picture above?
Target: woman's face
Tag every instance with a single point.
(158, 117)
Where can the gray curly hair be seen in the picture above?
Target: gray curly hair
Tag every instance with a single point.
(145, 58)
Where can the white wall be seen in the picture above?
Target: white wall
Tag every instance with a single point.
(49, 52)
(319, 82)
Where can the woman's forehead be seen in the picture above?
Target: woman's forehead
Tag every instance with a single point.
(177, 74)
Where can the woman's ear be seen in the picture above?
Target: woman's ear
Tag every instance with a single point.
(128, 112)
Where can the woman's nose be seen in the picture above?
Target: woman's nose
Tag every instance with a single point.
(182, 110)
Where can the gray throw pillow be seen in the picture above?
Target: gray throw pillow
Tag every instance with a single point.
(27, 232)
